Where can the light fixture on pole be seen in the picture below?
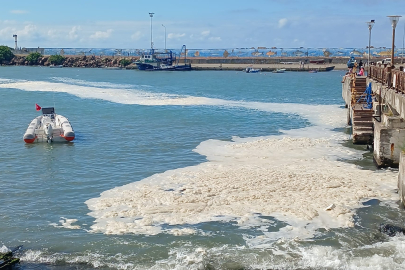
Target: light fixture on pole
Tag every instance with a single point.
(394, 20)
(151, 41)
(165, 36)
(370, 26)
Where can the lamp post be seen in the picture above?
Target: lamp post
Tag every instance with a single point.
(151, 41)
(370, 26)
(165, 36)
(403, 45)
(394, 20)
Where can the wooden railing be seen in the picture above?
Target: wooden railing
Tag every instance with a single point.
(392, 78)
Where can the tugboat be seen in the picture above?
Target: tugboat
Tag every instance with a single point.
(155, 61)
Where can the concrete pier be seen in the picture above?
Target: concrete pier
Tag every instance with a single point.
(388, 96)
(383, 125)
(389, 125)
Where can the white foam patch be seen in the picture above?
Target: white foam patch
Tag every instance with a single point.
(118, 94)
(66, 223)
(90, 83)
(292, 179)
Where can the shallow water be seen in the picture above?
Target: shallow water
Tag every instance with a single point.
(174, 136)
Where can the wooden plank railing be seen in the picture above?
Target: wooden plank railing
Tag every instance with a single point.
(392, 78)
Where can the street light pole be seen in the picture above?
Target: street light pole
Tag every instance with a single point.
(403, 41)
(394, 20)
(370, 26)
(165, 36)
(151, 41)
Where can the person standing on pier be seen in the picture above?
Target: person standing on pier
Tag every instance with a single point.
(361, 72)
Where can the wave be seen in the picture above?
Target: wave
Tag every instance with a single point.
(286, 254)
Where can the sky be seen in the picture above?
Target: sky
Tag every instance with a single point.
(208, 24)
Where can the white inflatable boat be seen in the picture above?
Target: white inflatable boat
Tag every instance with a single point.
(49, 127)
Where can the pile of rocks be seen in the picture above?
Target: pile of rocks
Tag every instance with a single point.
(74, 61)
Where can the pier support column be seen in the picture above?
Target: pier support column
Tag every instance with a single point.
(389, 140)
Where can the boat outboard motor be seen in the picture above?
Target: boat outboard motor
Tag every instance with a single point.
(49, 132)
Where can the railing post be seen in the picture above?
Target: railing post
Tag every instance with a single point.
(389, 77)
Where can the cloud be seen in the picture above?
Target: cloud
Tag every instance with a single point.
(173, 35)
(29, 30)
(101, 34)
(73, 33)
(205, 33)
(8, 31)
(137, 35)
(282, 22)
(18, 11)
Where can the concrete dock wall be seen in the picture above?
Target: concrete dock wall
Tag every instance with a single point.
(389, 140)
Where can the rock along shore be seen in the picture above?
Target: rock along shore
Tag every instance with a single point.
(197, 63)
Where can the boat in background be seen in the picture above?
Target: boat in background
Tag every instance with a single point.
(155, 61)
(279, 70)
(250, 69)
(49, 127)
(313, 71)
(56, 66)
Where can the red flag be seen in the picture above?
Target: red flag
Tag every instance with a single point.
(37, 107)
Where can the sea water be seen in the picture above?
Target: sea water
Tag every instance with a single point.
(191, 170)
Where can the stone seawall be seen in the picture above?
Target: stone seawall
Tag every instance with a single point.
(198, 63)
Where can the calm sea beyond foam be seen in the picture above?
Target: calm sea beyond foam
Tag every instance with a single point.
(191, 170)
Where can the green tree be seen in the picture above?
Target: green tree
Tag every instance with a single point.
(33, 58)
(56, 59)
(125, 62)
(5, 54)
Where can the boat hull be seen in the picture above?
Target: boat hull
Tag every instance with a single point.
(46, 129)
(144, 66)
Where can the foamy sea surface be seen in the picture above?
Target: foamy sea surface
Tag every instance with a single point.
(191, 170)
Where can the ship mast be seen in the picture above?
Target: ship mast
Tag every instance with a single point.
(151, 40)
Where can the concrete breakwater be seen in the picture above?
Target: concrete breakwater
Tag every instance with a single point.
(198, 63)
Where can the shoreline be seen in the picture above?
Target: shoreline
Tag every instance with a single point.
(197, 63)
